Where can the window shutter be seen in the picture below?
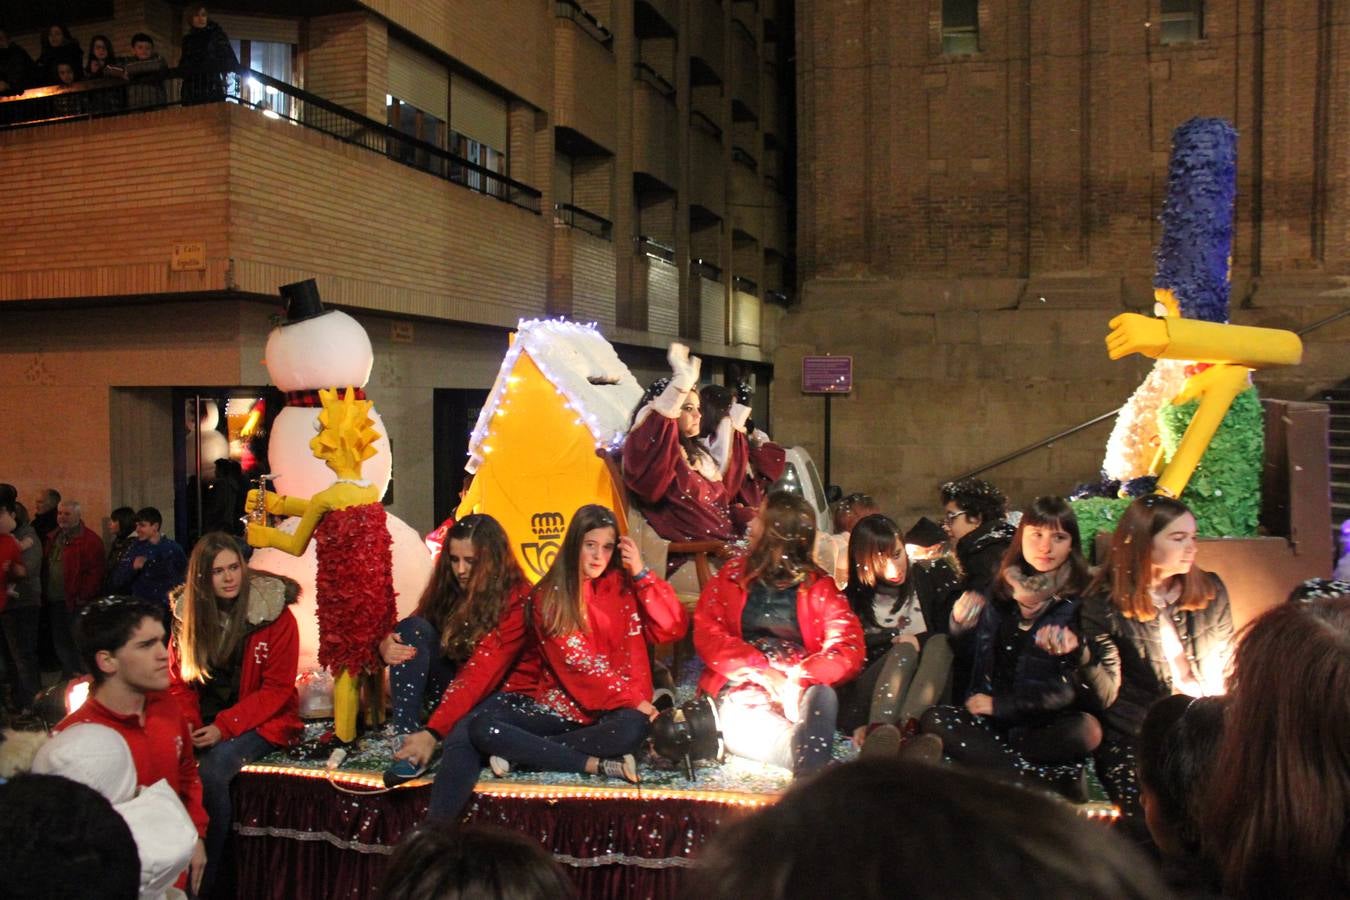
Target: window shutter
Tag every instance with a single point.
(258, 28)
(478, 113)
(418, 79)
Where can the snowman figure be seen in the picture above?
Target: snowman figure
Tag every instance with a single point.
(325, 349)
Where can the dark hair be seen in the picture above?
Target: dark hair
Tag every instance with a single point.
(717, 401)
(1276, 822)
(107, 624)
(125, 517)
(838, 835)
(60, 838)
(559, 591)
(872, 539)
(783, 554)
(691, 446)
(850, 509)
(66, 36)
(1178, 743)
(462, 616)
(437, 861)
(140, 36)
(149, 515)
(89, 59)
(976, 497)
(1053, 512)
(1128, 571)
(1320, 589)
(53, 495)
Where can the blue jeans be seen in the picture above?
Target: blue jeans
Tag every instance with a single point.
(764, 735)
(429, 672)
(525, 733)
(218, 766)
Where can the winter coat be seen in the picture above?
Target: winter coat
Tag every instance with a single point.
(932, 583)
(267, 701)
(51, 57)
(494, 656)
(979, 554)
(207, 56)
(605, 667)
(1206, 634)
(831, 634)
(1043, 684)
(82, 562)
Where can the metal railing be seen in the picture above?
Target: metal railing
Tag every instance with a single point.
(571, 9)
(273, 98)
(745, 285)
(654, 79)
(742, 156)
(655, 249)
(704, 269)
(582, 220)
(1097, 420)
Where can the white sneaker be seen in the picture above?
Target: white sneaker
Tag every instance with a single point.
(500, 767)
(624, 768)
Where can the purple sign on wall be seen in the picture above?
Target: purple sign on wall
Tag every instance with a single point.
(827, 374)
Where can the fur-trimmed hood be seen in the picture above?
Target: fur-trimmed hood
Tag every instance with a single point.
(268, 595)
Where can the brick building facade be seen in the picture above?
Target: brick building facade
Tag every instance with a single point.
(978, 196)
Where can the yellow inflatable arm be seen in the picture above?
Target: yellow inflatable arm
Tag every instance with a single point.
(1208, 342)
(1216, 387)
(339, 496)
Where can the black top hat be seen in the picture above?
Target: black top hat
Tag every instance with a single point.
(925, 533)
(302, 301)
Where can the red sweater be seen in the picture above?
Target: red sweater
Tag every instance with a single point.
(831, 633)
(676, 499)
(605, 667)
(494, 656)
(161, 746)
(267, 698)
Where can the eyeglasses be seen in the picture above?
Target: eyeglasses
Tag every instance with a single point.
(953, 516)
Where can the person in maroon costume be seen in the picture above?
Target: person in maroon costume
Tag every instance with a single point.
(681, 490)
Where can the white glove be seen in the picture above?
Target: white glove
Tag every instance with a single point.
(684, 368)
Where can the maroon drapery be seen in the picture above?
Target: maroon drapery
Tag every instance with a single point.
(302, 838)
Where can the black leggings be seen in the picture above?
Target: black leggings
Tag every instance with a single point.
(977, 741)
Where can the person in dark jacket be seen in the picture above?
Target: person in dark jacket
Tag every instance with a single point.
(1037, 683)
(16, 66)
(207, 58)
(973, 516)
(1170, 621)
(903, 607)
(58, 46)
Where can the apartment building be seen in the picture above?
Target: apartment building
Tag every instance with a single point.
(443, 169)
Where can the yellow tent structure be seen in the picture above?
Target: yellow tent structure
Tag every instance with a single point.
(562, 398)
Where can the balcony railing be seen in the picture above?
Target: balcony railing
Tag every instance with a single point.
(111, 97)
(704, 269)
(571, 9)
(776, 297)
(705, 124)
(654, 79)
(655, 249)
(583, 220)
(744, 285)
(742, 156)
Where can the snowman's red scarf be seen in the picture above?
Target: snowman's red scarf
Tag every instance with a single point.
(311, 398)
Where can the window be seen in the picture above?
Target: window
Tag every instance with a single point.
(418, 124)
(960, 27)
(270, 58)
(1183, 21)
(478, 133)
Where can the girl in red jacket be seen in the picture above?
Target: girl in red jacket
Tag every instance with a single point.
(580, 700)
(232, 665)
(468, 631)
(776, 636)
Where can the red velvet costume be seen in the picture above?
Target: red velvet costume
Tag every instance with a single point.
(606, 666)
(831, 634)
(161, 747)
(768, 461)
(678, 501)
(354, 587)
(492, 659)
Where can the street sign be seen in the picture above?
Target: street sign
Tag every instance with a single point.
(827, 374)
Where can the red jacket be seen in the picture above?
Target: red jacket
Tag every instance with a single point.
(606, 666)
(831, 634)
(161, 746)
(82, 561)
(267, 698)
(493, 657)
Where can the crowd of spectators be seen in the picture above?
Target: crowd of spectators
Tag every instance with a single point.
(103, 81)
